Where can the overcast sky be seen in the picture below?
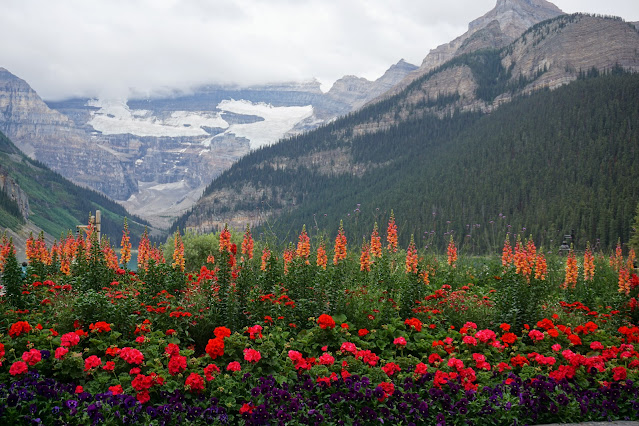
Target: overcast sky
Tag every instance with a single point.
(67, 48)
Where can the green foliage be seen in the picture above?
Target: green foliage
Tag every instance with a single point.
(197, 247)
(12, 280)
(634, 237)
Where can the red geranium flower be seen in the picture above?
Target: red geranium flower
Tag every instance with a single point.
(194, 383)
(18, 367)
(326, 321)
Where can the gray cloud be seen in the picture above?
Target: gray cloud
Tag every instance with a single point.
(111, 47)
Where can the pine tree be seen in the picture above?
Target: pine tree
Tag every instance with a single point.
(634, 239)
(12, 278)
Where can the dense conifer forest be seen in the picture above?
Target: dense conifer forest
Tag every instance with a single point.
(551, 162)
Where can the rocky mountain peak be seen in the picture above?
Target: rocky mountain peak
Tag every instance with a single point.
(516, 16)
(494, 30)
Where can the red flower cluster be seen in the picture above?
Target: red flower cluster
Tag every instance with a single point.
(70, 339)
(131, 355)
(19, 328)
(215, 347)
(32, 357)
(194, 383)
(100, 327)
(177, 365)
(326, 321)
(251, 355)
(414, 323)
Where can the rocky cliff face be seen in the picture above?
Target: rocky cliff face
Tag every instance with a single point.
(496, 29)
(50, 137)
(356, 91)
(10, 187)
(548, 55)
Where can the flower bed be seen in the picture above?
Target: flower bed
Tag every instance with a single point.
(380, 335)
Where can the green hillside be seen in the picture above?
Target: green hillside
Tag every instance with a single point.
(550, 162)
(56, 204)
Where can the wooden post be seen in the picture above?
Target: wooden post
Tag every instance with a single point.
(96, 221)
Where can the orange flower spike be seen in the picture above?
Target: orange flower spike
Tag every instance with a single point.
(178, 251)
(7, 247)
(247, 243)
(304, 245)
(630, 263)
(365, 258)
(289, 255)
(225, 239)
(572, 271)
(507, 253)
(322, 259)
(452, 253)
(616, 262)
(266, 254)
(340, 245)
(411, 257)
(624, 281)
(589, 264)
(109, 254)
(30, 250)
(144, 249)
(541, 267)
(376, 243)
(125, 245)
(391, 234)
(519, 257)
(426, 277)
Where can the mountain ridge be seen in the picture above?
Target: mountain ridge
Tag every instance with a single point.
(480, 82)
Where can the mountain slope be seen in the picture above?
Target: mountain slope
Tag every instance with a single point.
(549, 162)
(51, 202)
(367, 155)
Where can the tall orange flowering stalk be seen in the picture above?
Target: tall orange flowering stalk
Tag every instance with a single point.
(156, 255)
(30, 249)
(322, 258)
(340, 245)
(630, 263)
(411, 257)
(519, 257)
(303, 245)
(225, 239)
(589, 264)
(68, 254)
(624, 281)
(5, 249)
(247, 243)
(572, 271)
(365, 257)
(266, 254)
(289, 255)
(541, 267)
(507, 256)
(616, 261)
(109, 254)
(376, 243)
(426, 277)
(452, 253)
(178, 251)
(144, 251)
(125, 245)
(391, 234)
